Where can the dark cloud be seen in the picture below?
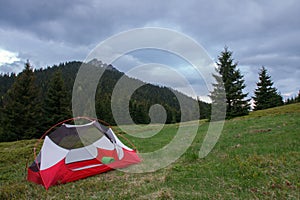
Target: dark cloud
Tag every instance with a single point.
(260, 33)
(78, 21)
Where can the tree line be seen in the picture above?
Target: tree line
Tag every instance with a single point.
(34, 100)
(292, 100)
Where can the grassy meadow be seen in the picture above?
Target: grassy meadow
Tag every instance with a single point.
(256, 157)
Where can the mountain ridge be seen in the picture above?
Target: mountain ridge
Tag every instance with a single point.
(140, 101)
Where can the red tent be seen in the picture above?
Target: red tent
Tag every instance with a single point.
(72, 152)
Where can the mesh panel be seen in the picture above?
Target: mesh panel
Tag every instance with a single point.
(71, 137)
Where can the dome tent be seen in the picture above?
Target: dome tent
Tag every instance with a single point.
(72, 152)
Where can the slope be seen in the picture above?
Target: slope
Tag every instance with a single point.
(257, 157)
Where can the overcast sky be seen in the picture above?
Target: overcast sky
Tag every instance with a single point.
(260, 33)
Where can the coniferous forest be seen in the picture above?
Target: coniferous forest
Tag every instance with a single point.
(34, 100)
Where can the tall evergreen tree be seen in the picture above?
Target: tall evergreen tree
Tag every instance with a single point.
(56, 105)
(21, 108)
(236, 104)
(266, 96)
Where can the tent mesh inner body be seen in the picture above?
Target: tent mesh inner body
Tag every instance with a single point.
(72, 137)
(75, 137)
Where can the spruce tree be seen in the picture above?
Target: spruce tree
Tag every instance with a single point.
(56, 106)
(266, 96)
(236, 104)
(21, 108)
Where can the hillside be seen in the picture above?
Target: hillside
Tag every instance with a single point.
(257, 157)
(142, 99)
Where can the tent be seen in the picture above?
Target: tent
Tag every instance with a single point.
(72, 152)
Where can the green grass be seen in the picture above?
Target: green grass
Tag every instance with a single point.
(256, 157)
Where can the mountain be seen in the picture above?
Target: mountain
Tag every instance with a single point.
(139, 104)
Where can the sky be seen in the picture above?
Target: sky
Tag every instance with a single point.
(259, 33)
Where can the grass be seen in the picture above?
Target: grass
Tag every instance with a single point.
(256, 157)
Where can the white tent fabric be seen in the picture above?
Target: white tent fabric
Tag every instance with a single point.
(56, 153)
(51, 153)
(81, 154)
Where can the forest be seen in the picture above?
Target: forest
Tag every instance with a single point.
(34, 100)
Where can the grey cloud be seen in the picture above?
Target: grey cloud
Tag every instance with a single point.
(76, 21)
(260, 33)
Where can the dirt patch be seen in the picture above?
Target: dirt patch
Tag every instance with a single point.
(261, 130)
